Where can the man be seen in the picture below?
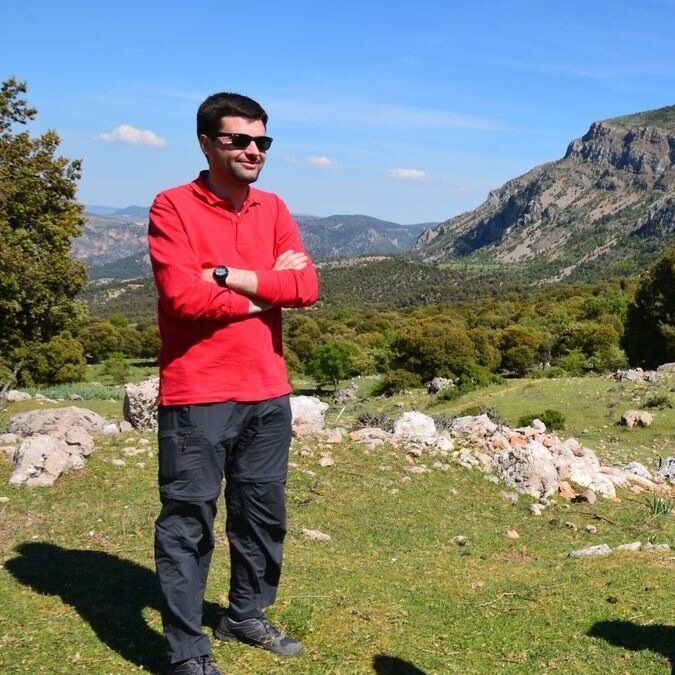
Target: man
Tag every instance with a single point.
(226, 258)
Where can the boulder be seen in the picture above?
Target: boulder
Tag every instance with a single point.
(13, 395)
(140, 404)
(308, 415)
(40, 460)
(439, 384)
(529, 470)
(667, 469)
(480, 425)
(55, 422)
(636, 418)
(414, 426)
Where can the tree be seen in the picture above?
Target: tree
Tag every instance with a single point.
(100, 339)
(649, 335)
(334, 361)
(39, 215)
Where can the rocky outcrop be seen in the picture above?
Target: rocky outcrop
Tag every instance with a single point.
(616, 183)
(140, 404)
(53, 442)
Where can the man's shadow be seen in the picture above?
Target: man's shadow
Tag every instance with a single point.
(659, 639)
(108, 592)
(391, 665)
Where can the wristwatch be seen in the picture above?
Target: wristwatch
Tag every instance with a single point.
(220, 273)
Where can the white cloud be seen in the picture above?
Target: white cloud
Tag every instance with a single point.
(291, 159)
(407, 174)
(323, 162)
(125, 133)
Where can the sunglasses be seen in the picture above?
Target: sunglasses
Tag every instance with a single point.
(242, 141)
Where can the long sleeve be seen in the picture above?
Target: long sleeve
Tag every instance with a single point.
(288, 288)
(182, 292)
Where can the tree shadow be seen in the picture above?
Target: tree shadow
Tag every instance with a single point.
(108, 592)
(392, 665)
(658, 639)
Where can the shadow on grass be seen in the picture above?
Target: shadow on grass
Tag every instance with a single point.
(659, 639)
(391, 665)
(108, 592)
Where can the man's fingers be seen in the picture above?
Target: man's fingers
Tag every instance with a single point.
(290, 260)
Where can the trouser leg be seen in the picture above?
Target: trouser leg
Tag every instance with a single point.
(256, 512)
(183, 549)
(256, 527)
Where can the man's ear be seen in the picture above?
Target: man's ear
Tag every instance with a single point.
(204, 144)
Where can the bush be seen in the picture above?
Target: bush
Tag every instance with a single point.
(58, 361)
(380, 420)
(659, 401)
(116, 368)
(396, 381)
(553, 419)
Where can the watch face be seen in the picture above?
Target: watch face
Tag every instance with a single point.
(220, 274)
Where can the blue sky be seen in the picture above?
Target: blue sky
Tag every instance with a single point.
(405, 111)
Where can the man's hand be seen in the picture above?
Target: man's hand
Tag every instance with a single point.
(290, 260)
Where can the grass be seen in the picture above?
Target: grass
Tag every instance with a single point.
(391, 593)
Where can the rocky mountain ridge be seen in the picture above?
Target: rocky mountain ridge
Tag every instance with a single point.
(115, 246)
(609, 200)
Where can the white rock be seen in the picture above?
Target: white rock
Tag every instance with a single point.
(315, 535)
(634, 546)
(118, 462)
(40, 460)
(13, 396)
(326, 461)
(480, 425)
(600, 549)
(636, 418)
(308, 414)
(110, 430)
(657, 548)
(140, 403)
(414, 426)
(530, 470)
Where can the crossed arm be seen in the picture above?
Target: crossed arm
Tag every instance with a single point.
(246, 281)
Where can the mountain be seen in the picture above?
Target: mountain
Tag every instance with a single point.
(337, 236)
(114, 246)
(607, 207)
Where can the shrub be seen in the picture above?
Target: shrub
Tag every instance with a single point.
(58, 361)
(116, 368)
(396, 381)
(553, 419)
(659, 401)
(380, 420)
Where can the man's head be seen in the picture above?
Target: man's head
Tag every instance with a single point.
(226, 104)
(231, 132)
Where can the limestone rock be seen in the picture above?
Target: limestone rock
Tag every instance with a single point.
(636, 418)
(55, 422)
(439, 384)
(667, 469)
(140, 404)
(530, 470)
(13, 395)
(414, 426)
(600, 549)
(308, 415)
(39, 461)
(315, 535)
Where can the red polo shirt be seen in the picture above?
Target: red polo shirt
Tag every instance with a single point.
(212, 349)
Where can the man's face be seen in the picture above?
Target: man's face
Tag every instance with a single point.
(230, 164)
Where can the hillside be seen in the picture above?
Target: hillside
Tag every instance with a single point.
(607, 207)
(115, 246)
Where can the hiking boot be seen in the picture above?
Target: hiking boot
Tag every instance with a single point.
(210, 666)
(197, 665)
(258, 632)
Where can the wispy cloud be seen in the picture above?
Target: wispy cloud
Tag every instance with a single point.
(361, 114)
(407, 174)
(125, 133)
(321, 161)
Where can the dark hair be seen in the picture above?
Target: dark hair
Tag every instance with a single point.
(226, 104)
